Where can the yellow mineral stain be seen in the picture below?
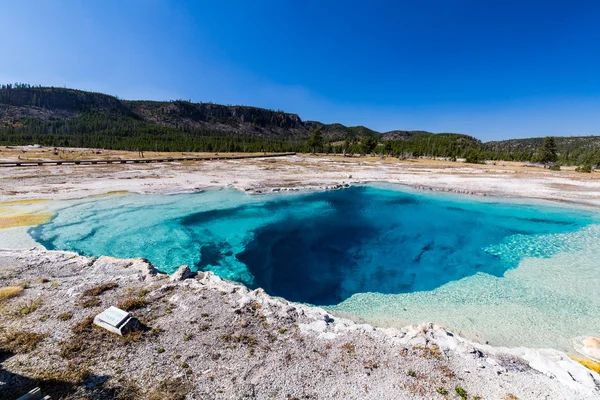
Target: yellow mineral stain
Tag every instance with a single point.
(117, 192)
(23, 213)
(21, 202)
(586, 362)
(12, 221)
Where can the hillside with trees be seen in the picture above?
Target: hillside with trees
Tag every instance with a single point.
(68, 117)
(572, 150)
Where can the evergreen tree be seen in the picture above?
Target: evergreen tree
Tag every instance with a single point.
(548, 151)
(315, 141)
(367, 145)
(387, 148)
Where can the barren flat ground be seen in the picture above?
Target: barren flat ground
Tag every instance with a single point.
(509, 179)
(208, 338)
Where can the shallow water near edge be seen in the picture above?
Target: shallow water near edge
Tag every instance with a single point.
(379, 253)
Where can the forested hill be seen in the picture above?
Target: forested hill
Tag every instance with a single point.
(67, 117)
(570, 144)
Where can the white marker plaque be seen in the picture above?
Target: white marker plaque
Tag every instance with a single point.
(116, 320)
(113, 316)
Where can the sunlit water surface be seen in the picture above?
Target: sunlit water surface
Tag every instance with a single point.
(497, 271)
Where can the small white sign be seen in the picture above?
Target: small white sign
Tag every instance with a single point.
(113, 316)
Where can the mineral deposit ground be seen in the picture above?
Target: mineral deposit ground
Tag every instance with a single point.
(204, 337)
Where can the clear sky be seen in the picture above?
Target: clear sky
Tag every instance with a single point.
(492, 69)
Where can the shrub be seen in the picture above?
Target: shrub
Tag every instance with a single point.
(554, 167)
(29, 307)
(475, 158)
(584, 168)
(461, 392)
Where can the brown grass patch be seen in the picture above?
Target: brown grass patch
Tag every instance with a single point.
(26, 307)
(9, 292)
(83, 333)
(20, 341)
(349, 347)
(89, 302)
(98, 290)
(132, 303)
(432, 351)
(64, 316)
(170, 389)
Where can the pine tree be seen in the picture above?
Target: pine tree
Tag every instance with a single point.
(315, 141)
(548, 151)
(367, 145)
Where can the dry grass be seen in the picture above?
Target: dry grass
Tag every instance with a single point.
(432, 351)
(89, 302)
(9, 292)
(72, 153)
(83, 334)
(83, 326)
(349, 347)
(170, 389)
(98, 290)
(27, 307)
(20, 341)
(7, 272)
(132, 303)
(64, 316)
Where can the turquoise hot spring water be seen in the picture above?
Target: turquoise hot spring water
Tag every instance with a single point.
(505, 272)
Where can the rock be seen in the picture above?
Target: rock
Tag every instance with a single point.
(200, 275)
(491, 361)
(328, 319)
(182, 273)
(589, 347)
(316, 326)
(477, 353)
(144, 266)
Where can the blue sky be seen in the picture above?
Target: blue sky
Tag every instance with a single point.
(492, 69)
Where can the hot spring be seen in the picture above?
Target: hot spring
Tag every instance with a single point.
(506, 272)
